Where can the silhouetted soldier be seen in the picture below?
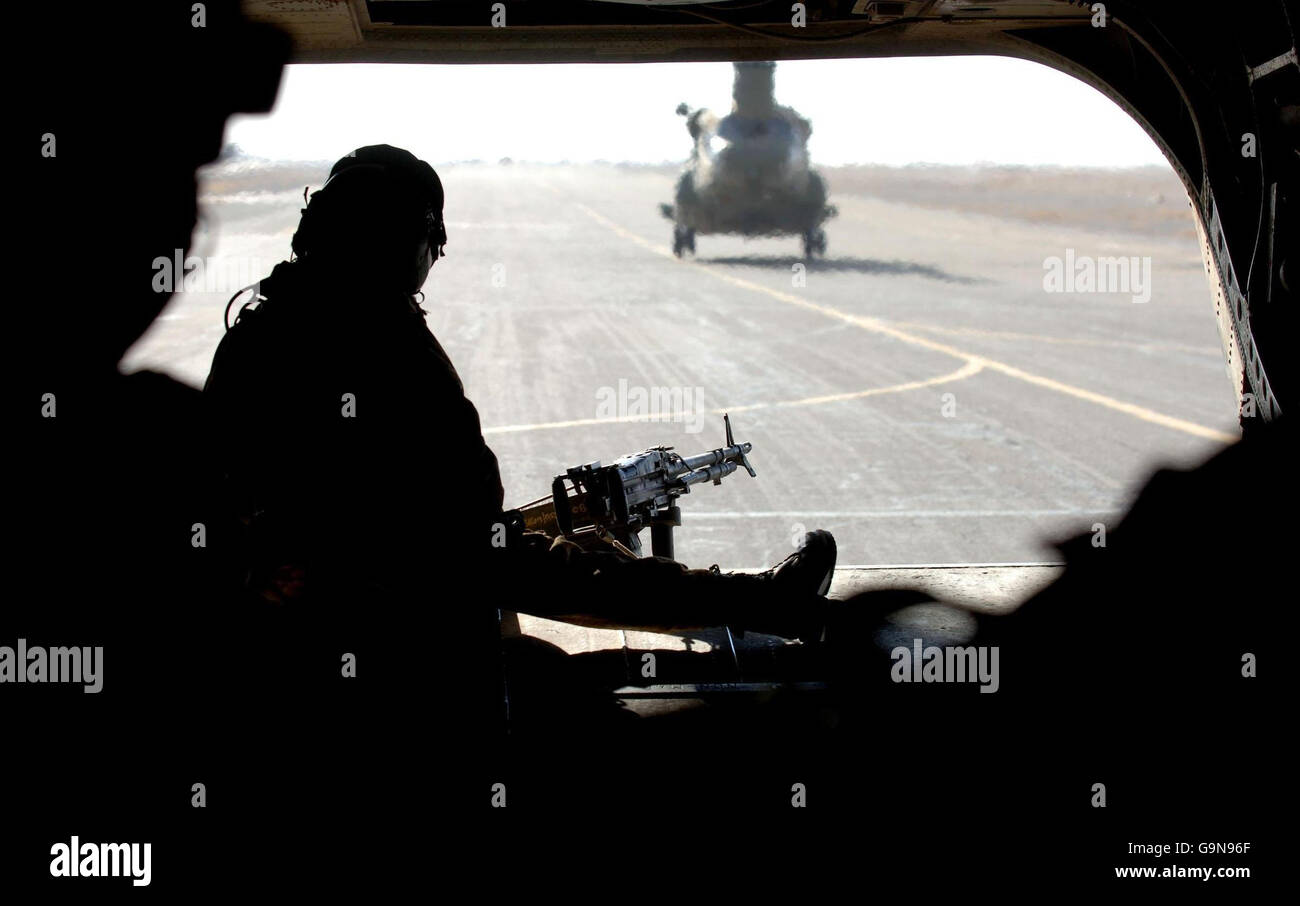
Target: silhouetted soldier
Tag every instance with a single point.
(348, 430)
(366, 466)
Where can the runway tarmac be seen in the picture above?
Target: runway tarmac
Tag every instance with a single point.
(918, 391)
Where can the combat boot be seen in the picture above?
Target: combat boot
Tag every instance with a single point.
(809, 570)
(797, 608)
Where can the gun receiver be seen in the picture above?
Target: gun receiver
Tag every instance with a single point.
(616, 501)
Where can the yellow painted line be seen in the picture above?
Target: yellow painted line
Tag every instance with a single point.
(965, 371)
(1062, 341)
(969, 369)
(876, 325)
(575, 423)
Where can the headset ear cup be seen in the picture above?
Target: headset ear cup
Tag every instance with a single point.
(304, 238)
(298, 242)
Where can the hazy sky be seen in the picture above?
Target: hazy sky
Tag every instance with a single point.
(952, 110)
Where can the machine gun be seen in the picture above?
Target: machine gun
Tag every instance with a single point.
(613, 503)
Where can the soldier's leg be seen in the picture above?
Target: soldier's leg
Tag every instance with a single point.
(606, 589)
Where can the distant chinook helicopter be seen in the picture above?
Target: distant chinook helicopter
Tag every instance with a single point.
(748, 172)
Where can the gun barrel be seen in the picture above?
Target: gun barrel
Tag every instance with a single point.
(709, 473)
(714, 457)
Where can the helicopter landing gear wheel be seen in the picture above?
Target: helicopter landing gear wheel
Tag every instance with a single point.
(683, 241)
(814, 243)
